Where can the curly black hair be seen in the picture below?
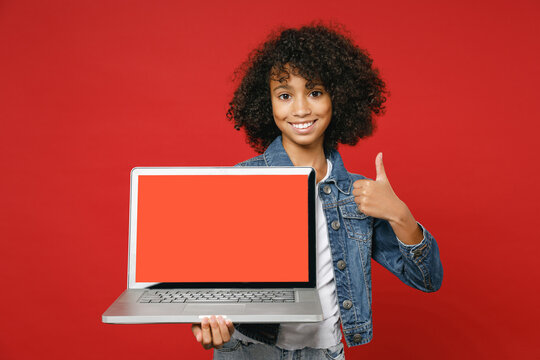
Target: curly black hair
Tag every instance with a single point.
(318, 53)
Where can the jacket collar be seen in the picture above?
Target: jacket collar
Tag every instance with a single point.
(275, 155)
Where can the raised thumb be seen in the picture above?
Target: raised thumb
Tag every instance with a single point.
(381, 174)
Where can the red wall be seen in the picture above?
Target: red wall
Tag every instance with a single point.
(90, 89)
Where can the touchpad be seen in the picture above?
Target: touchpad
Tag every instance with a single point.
(228, 309)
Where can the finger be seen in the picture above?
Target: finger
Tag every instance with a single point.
(230, 325)
(358, 184)
(358, 196)
(197, 332)
(206, 333)
(361, 203)
(360, 192)
(224, 330)
(381, 174)
(217, 341)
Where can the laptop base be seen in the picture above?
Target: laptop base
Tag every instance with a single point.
(126, 310)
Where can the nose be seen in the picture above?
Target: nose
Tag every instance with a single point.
(301, 107)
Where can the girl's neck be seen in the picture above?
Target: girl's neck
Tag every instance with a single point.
(308, 156)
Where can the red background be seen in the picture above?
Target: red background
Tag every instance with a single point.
(90, 89)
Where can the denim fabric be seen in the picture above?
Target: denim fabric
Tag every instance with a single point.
(242, 350)
(356, 238)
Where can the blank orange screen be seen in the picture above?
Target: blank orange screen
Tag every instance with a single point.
(222, 228)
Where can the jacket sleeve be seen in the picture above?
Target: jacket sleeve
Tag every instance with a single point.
(418, 266)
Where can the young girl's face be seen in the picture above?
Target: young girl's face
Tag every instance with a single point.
(302, 114)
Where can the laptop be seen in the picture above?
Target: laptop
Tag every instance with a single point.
(239, 242)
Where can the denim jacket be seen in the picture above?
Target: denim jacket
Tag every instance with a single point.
(354, 239)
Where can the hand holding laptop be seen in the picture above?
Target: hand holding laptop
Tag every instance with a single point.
(213, 332)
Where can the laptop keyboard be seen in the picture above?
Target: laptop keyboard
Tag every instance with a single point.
(217, 296)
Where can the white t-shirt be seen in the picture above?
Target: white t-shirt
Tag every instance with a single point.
(327, 333)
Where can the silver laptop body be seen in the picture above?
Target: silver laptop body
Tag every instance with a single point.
(175, 272)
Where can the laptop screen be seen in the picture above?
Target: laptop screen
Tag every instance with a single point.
(234, 227)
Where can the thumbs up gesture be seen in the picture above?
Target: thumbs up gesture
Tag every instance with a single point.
(376, 197)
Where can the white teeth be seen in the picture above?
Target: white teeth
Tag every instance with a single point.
(303, 126)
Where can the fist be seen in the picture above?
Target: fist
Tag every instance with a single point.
(376, 198)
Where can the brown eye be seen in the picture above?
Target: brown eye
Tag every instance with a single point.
(284, 97)
(316, 93)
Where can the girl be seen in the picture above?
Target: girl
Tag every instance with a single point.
(303, 92)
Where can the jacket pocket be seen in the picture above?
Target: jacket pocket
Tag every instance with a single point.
(358, 225)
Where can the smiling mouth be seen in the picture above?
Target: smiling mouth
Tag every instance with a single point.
(303, 125)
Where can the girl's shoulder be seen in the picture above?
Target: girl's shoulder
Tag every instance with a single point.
(255, 161)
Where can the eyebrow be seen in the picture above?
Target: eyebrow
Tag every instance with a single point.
(281, 87)
(288, 87)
